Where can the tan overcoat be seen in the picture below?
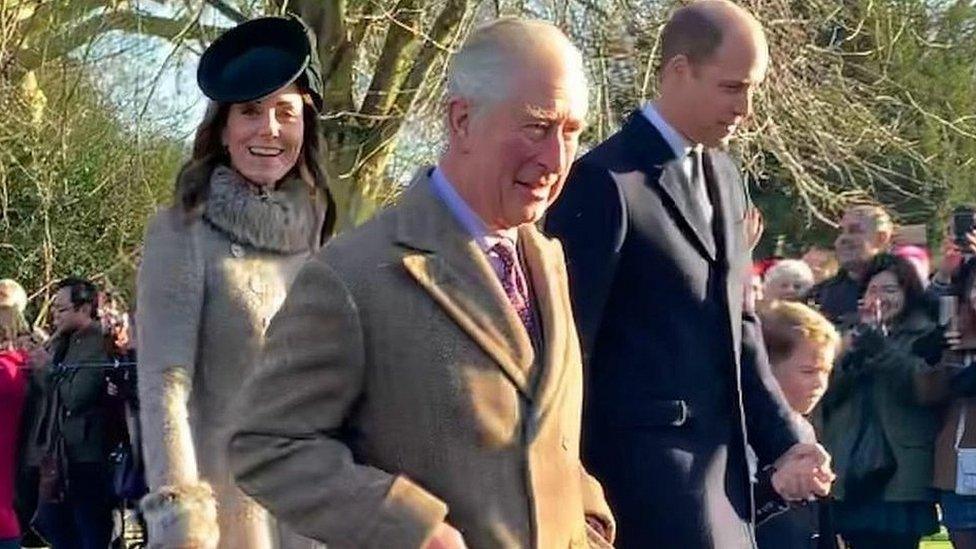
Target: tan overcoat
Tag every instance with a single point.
(399, 389)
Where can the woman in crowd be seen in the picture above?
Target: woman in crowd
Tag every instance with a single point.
(879, 434)
(251, 204)
(787, 280)
(953, 382)
(14, 350)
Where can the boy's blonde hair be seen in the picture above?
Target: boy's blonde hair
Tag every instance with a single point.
(785, 324)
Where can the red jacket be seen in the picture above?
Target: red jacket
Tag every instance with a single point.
(13, 390)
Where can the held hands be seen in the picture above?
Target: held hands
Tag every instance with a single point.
(446, 537)
(803, 472)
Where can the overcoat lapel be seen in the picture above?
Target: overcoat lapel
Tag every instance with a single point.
(721, 189)
(654, 155)
(546, 269)
(448, 265)
(677, 187)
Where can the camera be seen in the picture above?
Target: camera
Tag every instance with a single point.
(963, 223)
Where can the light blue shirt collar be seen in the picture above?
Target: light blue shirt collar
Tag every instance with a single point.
(681, 146)
(471, 222)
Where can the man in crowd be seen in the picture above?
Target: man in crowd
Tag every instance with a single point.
(76, 502)
(865, 231)
(422, 384)
(652, 222)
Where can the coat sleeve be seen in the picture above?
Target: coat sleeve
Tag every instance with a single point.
(901, 370)
(170, 293)
(595, 503)
(589, 220)
(287, 450)
(773, 427)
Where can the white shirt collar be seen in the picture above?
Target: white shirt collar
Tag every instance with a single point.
(466, 216)
(681, 146)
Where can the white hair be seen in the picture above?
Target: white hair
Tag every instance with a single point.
(481, 71)
(14, 295)
(793, 269)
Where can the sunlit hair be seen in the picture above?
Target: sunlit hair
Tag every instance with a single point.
(13, 294)
(694, 32)
(792, 269)
(481, 71)
(12, 305)
(786, 324)
(193, 180)
(879, 217)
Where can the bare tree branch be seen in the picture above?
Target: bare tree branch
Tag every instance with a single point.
(401, 44)
(227, 10)
(96, 25)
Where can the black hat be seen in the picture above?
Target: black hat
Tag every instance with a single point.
(258, 57)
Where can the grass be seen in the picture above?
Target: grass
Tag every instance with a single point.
(936, 541)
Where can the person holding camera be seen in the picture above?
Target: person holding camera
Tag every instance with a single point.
(959, 243)
(952, 382)
(880, 434)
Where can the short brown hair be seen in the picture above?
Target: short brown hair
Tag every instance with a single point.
(785, 324)
(692, 33)
(877, 214)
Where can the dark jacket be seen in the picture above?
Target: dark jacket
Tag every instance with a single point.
(891, 372)
(658, 300)
(81, 399)
(836, 298)
(806, 526)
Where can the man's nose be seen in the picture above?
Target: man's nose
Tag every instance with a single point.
(553, 155)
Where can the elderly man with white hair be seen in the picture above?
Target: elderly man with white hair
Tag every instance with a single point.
(422, 384)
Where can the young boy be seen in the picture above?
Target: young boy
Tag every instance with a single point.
(801, 345)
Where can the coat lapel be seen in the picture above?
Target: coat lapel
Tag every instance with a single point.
(655, 155)
(546, 266)
(722, 188)
(678, 188)
(449, 265)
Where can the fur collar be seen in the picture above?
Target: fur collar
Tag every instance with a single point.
(284, 220)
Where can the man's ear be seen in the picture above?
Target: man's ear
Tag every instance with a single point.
(677, 66)
(459, 122)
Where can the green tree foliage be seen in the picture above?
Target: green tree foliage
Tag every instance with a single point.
(913, 61)
(76, 185)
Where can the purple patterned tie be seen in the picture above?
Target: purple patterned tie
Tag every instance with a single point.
(513, 282)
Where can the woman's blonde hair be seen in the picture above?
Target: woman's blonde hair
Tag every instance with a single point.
(786, 323)
(13, 301)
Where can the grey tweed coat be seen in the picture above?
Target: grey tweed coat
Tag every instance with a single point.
(207, 289)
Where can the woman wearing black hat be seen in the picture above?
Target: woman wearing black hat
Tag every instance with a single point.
(251, 204)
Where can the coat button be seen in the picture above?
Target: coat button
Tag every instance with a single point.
(236, 250)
